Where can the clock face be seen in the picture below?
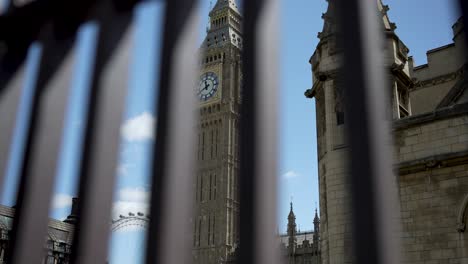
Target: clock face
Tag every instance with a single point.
(207, 86)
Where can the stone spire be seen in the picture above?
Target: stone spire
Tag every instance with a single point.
(316, 227)
(291, 230)
(316, 220)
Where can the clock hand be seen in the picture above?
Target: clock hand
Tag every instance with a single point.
(207, 85)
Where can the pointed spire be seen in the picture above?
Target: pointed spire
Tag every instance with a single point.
(316, 218)
(221, 4)
(291, 230)
(316, 227)
(291, 213)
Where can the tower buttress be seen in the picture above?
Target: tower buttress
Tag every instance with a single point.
(329, 94)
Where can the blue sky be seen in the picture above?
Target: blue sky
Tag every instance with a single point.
(422, 25)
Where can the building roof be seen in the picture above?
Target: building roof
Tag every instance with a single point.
(300, 237)
(58, 231)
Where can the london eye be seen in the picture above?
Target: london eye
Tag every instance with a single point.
(128, 238)
(139, 220)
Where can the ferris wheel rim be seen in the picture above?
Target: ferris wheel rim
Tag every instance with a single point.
(128, 221)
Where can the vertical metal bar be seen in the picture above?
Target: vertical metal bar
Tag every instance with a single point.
(373, 189)
(43, 135)
(10, 105)
(102, 137)
(15, 144)
(169, 237)
(18, 33)
(463, 5)
(259, 138)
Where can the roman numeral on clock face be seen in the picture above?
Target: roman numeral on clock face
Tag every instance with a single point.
(207, 86)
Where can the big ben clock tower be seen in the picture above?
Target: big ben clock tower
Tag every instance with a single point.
(216, 216)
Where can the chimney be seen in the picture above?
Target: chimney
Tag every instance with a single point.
(73, 217)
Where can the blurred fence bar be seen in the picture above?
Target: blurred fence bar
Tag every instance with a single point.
(102, 136)
(464, 10)
(258, 138)
(174, 154)
(12, 98)
(371, 179)
(17, 34)
(37, 171)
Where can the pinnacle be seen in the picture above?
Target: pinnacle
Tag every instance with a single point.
(221, 4)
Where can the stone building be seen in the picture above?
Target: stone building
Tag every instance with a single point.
(430, 111)
(215, 222)
(301, 247)
(57, 247)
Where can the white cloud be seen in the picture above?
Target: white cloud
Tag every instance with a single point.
(61, 201)
(124, 168)
(290, 174)
(139, 128)
(140, 195)
(131, 200)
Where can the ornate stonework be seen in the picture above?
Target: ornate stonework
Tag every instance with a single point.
(431, 149)
(215, 222)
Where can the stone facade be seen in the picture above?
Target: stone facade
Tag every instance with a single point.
(432, 160)
(216, 218)
(430, 112)
(57, 248)
(444, 70)
(300, 247)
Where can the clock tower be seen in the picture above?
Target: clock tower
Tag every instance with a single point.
(216, 217)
